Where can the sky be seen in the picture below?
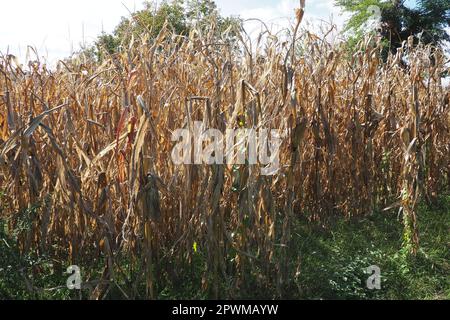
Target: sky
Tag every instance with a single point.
(56, 28)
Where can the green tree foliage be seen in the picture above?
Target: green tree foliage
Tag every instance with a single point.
(108, 42)
(200, 11)
(181, 16)
(426, 21)
(151, 20)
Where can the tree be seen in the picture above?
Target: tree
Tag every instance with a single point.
(199, 12)
(107, 42)
(426, 21)
(151, 20)
(181, 16)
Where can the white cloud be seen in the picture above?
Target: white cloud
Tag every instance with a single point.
(56, 27)
(281, 14)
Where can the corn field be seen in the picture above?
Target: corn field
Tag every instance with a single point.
(88, 145)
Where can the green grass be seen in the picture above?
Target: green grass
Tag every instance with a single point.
(334, 261)
(327, 263)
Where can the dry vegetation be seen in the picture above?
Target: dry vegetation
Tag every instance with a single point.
(89, 145)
